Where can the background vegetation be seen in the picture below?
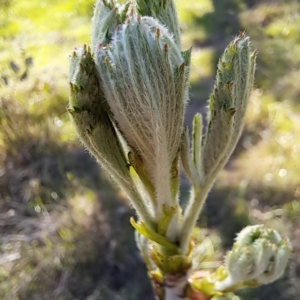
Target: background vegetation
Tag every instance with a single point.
(64, 227)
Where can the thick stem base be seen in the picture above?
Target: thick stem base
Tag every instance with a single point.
(175, 286)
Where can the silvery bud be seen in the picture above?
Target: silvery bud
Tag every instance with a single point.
(145, 81)
(164, 11)
(91, 117)
(259, 256)
(90, 114)
(202, 160)
(228, 103)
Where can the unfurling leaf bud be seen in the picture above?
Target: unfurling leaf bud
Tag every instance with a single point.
(228, 103)
(92, 120)
(190, 154)
(90, 114)
(227, 107)
(258, 257)
(144, 79)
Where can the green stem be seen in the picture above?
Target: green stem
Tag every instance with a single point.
(192, 211)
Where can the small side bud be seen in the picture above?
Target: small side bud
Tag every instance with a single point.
(258, 257)
(185, 155)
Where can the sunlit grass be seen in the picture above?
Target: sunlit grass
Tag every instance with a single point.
(37, 39)
(189, 12)
(275, 159)
(202, 64)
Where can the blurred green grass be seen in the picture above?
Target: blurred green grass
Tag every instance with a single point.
(64, 227)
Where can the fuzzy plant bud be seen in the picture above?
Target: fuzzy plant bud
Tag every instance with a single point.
(92, 120)
(227, 108)
(228, 103)
(145, 78)
(128, 95)
(164, 11)
(258, 257)
(202, 160)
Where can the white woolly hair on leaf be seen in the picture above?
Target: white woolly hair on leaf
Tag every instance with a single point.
(166, 14)
(104, 22)
(277, 267)
(96, 129)
(138, 73)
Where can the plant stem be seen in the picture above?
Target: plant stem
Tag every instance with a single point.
(175, 287)
(193, 210)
